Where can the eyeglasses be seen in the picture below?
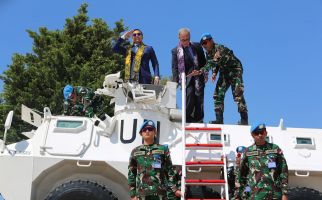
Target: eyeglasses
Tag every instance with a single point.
(147, 129)
(185, 40)
(204, 42)
(136, 34)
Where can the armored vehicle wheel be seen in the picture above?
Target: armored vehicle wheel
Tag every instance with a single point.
(304, 193)
(81, 190)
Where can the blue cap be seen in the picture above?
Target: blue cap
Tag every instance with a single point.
(147, 123)
(240, 149)
(256, 127)
(68, 90)
(205, 36)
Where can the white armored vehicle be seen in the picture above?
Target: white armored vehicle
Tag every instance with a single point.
(70, 157)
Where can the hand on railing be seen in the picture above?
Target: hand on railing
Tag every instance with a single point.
(195, 73)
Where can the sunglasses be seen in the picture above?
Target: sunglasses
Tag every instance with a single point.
(259, 131)
(147, 129)
(136, 34)
(72, 95)
(204, 42)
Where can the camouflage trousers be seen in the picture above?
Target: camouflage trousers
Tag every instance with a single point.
(225, 80)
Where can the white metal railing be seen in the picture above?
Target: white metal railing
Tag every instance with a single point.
(183, 108)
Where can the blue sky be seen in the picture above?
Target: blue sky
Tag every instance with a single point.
(278, 42)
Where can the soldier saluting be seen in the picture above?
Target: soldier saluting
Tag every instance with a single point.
(150, 168)
(264, 168)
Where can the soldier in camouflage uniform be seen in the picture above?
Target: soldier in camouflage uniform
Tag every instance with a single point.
(151, 172)
(82, 101)
(264, 168)
(245, 194)
(221, 59)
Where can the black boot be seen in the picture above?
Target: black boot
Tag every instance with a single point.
(243, 118)
(219, 118)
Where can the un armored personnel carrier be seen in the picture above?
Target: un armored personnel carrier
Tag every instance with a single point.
(69, 157)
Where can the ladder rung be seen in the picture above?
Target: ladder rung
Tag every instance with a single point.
(205, 182)
(202, 129)
(214, 145)
(205, 163)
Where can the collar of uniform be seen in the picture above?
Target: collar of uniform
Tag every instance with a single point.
(148, 146)
(261, 147)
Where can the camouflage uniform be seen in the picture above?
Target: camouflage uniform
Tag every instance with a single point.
(231, 72)
(245, 189)
(177, 179)
(264, 168)
(87, 103)
(151, 172)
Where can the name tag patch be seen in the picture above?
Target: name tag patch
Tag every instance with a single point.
(252, 153)
(271, 151)
(139, 153)
(158, 151)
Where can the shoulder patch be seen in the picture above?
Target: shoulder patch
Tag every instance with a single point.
(139, 153)
(271, 151)
(252, 153)
(158, 151)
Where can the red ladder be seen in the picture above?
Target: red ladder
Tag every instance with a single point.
(214, 145)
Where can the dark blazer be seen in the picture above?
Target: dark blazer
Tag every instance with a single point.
(145, 76)
(189, 64)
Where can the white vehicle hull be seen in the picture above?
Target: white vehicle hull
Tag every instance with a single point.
(32, 169)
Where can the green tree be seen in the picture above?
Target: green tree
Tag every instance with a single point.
(80, 54)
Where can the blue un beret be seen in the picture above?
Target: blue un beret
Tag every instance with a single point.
(257, 126)
(240, 149)
(68, 90)
(147, 123)
(205, 36)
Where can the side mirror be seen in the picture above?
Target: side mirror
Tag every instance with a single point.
(7, 125)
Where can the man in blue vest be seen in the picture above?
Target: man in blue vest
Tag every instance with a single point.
(137, 58)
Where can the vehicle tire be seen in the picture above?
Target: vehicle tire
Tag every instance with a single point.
(198, 192)
(300, 193)
(81, 190)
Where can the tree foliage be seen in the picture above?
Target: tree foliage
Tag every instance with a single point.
(80, 54)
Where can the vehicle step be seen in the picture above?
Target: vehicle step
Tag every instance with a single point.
(205, 182)
(205, 163)
(214, 145)
(202, 128)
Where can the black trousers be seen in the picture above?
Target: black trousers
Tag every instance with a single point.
(194, 104)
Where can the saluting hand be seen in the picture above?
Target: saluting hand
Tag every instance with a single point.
(128, 34)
